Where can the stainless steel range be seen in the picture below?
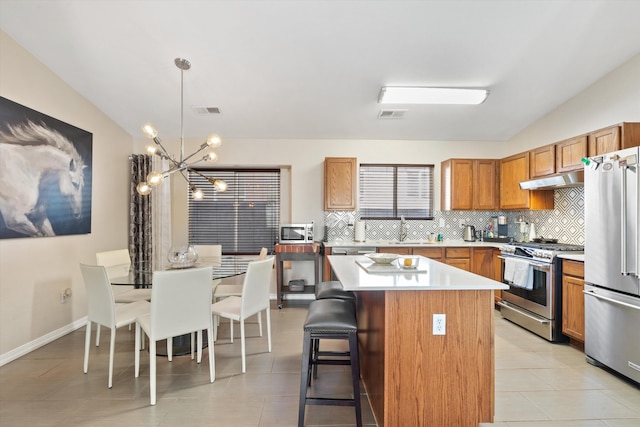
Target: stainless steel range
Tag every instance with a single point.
(533, 272)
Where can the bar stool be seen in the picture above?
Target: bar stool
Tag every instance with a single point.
(329, 290)
(333, 289)
(329, 319)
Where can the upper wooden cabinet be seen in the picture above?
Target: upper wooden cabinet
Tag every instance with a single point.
(613, 138)
(469, 184)
(569, 154)
(340, 183)
(513, 170)
(542, 161)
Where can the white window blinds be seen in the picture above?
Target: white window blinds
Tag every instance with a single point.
(393, 191)
(243, 219)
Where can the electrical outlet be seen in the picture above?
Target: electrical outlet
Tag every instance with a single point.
(461, 223)
(441, 222)
(65, 295)
(439, 324)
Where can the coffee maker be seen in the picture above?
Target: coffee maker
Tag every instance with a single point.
(503, 226)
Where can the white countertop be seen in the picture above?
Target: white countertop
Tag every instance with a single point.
(439, 276)
(411, 243)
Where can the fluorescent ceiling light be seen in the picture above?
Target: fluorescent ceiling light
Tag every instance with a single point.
(431, 95)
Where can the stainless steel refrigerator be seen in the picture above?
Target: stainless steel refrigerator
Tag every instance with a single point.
(612, 261)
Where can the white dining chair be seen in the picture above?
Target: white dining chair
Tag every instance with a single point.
(118, 263)
(208, 250)
(225, 289)
(180, 304)
(254, 299)
(102, 310)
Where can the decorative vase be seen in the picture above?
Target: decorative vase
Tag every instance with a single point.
(182, 256)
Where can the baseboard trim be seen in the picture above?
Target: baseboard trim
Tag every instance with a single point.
(39, 342)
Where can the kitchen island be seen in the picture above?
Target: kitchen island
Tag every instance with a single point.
(413, 377)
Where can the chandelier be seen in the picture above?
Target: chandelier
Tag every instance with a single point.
(182, 164)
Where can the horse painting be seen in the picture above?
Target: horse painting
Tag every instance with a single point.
(34, 161)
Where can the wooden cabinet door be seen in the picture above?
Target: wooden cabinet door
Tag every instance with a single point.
(486, 191)
(458, 257)
(482, 262)
(461, 263)
(340, 183)
(513, 170)
(604, 141)
(569, 154)
(394, 250)
(433, 253)
(542, 161)
(573, 307)
(456, 184)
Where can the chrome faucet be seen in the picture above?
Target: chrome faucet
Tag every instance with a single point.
(403, 229)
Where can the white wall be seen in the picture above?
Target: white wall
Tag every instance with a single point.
(33, 271)
(613, 99)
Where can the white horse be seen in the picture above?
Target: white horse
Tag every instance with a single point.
(32, 155)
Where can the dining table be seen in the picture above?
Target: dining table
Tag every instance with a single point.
(222, 267)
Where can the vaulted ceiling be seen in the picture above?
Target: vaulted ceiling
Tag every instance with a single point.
(313, 69)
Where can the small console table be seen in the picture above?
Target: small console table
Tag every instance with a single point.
(294, 252)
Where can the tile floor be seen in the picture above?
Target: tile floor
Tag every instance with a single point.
(537, 385)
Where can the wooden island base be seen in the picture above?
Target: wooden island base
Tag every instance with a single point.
(415, 378)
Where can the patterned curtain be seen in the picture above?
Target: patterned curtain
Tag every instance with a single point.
(140, 214)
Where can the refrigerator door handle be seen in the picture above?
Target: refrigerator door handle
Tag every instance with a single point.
(615, 301)
(623, 222)
(624, 270)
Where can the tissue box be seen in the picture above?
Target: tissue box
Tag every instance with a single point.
(297, 285)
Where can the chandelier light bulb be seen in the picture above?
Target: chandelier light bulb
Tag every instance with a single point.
(198, 194)
(143, 189)
(214, 140)
(154, 179)
(220, 185)
(149, 130)
(210, 157)
(151, 149)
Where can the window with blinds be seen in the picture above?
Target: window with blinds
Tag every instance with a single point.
(243, 219)
(393, 191)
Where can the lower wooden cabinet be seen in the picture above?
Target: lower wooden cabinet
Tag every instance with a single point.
(395, 250)
(573, 299)
(433, 253)
(458, 257)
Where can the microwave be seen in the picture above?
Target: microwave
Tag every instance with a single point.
(296, 233)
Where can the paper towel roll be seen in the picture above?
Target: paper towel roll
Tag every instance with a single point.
(359, 231)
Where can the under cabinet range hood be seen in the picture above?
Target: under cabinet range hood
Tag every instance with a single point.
(570, 179)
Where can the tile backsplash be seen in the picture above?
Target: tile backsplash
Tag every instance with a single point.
(565, 222)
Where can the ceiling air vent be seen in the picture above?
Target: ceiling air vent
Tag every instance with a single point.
(391, 114)
(206, 110)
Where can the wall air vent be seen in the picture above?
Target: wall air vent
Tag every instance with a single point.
(206, 110)
(391, 114)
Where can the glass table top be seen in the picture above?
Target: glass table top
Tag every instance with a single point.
(224, 266)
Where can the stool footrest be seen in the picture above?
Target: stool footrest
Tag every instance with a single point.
(330, 401)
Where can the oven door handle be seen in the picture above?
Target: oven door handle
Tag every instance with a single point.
(542, 266)
(539, 320)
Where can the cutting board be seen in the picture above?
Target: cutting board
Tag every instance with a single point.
(371, 267)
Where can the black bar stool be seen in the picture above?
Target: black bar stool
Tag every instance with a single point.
(333, 290)
(329, 319)
(329, 290)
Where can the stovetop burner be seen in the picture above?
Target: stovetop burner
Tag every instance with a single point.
(557, 247)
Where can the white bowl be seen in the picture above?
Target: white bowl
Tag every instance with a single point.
(380, 258)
